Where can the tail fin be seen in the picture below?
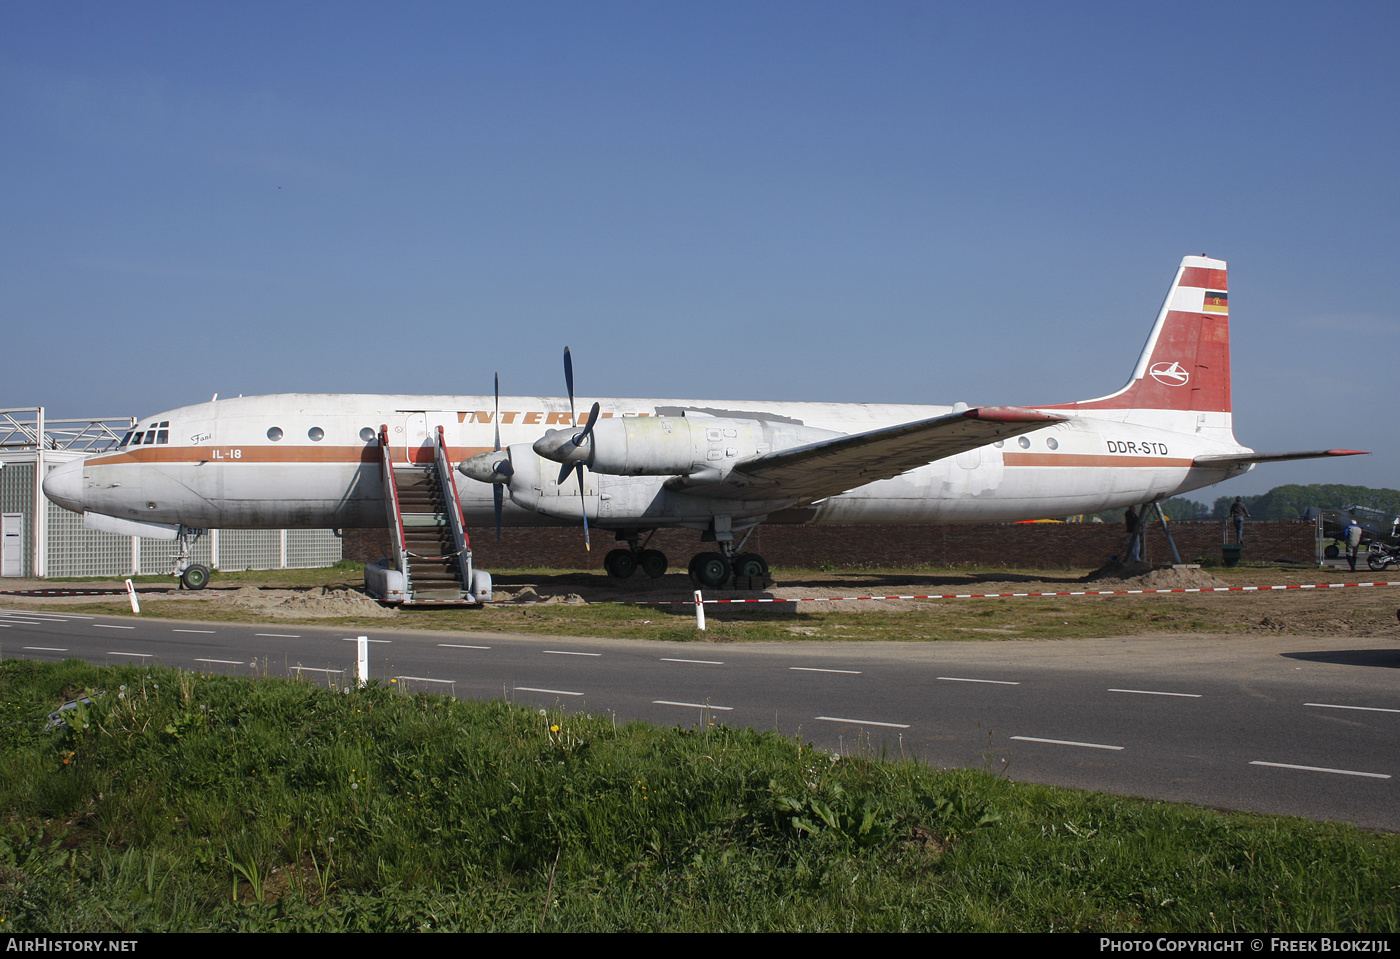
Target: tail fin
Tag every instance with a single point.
(1185, 365)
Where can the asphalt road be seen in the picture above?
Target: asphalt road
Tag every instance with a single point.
(1272, 724)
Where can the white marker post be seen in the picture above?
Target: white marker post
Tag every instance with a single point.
(362, 664)
(131, 595)
(699, 612)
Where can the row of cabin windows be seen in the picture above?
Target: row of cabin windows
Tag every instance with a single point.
(316, 434)
(158, 433)
(155, 434)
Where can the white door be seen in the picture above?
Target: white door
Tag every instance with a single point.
(419, 430)
(12, 545)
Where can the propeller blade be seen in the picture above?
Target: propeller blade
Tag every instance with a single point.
(569, 380)
(496, 418)
(498, 494)
(564, 472)
(592, 419)
(583, 507)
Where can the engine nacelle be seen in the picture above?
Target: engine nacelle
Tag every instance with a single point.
(669, 445)
(681, 446)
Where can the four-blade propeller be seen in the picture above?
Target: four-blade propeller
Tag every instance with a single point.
(575, 447)
(571, 447)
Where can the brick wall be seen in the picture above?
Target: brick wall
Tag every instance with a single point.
(1027, 546)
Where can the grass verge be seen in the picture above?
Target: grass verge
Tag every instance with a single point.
(176, 801)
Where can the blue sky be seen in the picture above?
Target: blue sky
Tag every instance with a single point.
(883, 202)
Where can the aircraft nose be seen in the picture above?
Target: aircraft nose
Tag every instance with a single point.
(64, 485)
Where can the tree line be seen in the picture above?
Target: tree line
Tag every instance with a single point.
(1281, 502)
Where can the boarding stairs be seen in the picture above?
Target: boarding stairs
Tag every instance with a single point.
(433, 553)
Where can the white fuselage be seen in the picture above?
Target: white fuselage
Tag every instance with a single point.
(216, 465)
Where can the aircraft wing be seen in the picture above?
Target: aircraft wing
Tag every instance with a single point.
(809, 473)
(1243, 459)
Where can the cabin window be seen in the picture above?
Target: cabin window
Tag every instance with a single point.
(316, 434)
(1024, 443)
(274, 433)
(999, 444)
(1051, 442)
(367, 434)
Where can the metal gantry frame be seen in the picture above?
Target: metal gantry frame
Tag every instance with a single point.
(26, 430)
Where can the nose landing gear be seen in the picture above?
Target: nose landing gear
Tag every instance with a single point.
(191, 575)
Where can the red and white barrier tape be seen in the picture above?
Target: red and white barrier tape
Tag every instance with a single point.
(1077, 592)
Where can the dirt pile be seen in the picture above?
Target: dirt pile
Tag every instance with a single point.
(326, 601)
(1143, 576)
(529, 595)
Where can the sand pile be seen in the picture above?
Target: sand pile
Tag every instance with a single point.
(325, 601)
(529, 595)
(1143, 576)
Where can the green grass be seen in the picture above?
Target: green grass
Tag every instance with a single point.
(180, 801)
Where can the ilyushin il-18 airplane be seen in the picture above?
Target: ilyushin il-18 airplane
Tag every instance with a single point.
(633, 466)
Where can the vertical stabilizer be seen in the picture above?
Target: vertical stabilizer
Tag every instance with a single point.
(1185, 365)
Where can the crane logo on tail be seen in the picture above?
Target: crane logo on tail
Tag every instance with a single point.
(1169, 374)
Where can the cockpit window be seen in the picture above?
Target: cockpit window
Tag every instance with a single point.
(156, 433)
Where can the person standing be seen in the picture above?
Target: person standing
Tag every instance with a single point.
(1239, 513)
(1352, 535)
(1130, 520)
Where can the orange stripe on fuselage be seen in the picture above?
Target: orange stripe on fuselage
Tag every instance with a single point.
(271, 454)
(1095, 460)
(193, 455)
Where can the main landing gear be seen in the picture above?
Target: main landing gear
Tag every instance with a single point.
(707, 570)
(715, 570)
(622, 563)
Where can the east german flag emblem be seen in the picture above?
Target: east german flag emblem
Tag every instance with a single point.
(1215, 303)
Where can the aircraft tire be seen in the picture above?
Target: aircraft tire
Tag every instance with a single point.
(620, 563)
(653, 563)
(195, 577)
(750, 566)
(710, 570)
(1332, 552)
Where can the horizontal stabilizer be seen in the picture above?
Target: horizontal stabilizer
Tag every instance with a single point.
(1244, 459)
(811, 472)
